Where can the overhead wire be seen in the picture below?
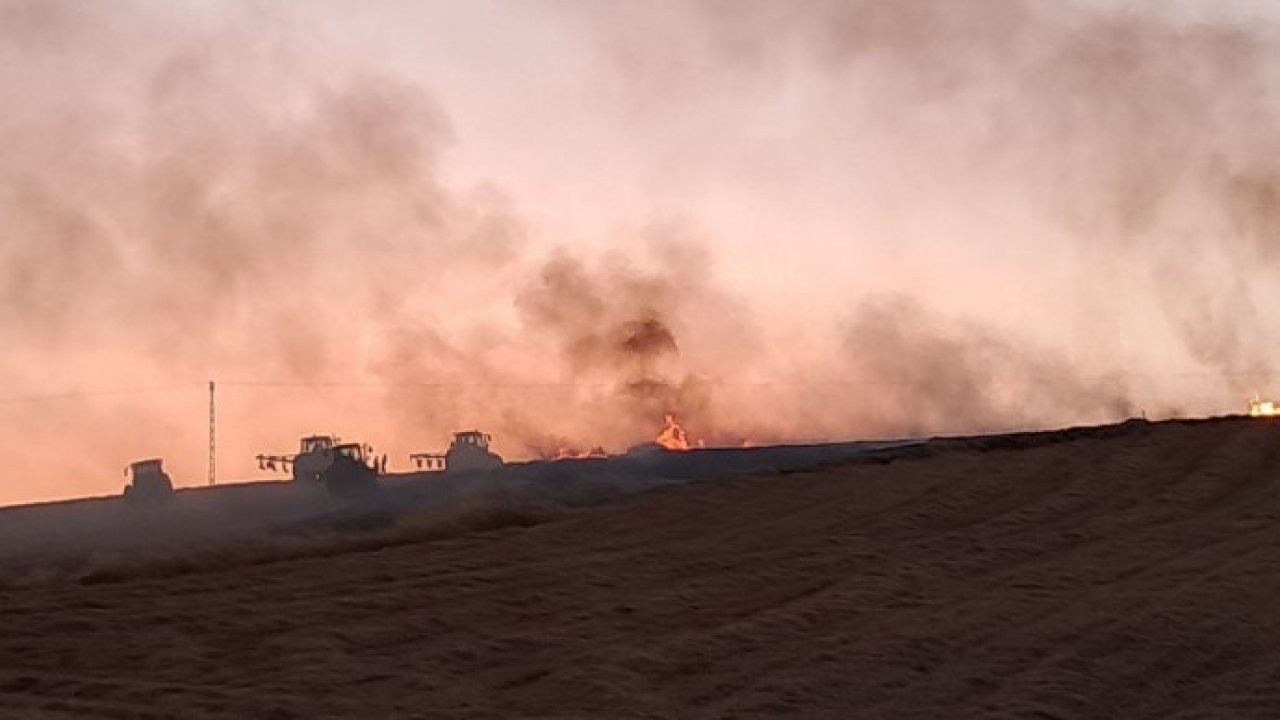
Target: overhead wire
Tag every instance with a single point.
(105, 392)
(563, 385)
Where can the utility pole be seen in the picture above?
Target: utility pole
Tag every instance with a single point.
(213, 474)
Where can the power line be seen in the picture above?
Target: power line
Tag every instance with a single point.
(395, 385)
(79, 394)
(797, 383)
(790, 383)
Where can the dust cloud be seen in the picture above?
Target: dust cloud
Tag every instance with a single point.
(1142, 136)
(220, 192)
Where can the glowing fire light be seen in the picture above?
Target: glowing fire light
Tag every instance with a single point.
(673, 437)
(567, 454)
(1262, 408)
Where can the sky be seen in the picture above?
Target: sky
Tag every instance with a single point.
(557, 220)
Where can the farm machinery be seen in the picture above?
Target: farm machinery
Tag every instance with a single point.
(343, 469)
(149, 484)
(468, 451)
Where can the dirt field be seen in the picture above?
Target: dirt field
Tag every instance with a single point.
(1131, 573)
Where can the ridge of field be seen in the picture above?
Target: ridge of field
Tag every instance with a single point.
(1126, 571)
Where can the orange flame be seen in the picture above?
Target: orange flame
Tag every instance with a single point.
(1262, 408)
(567, 454)
(673, 437)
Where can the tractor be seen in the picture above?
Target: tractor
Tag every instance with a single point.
(344, 469)
(149, 484)
(468, 451)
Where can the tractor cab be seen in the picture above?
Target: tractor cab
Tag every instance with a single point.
(316, 443)
(354, 451)
(146, 468)
(474, 438)
(148, 484)
(345, 469)
(468, 451)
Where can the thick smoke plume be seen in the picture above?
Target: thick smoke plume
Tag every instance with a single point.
(616, 328)
(929, 374)
(1146, 137)
(219, 193)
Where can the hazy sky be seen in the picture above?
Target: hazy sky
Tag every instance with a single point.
(556, 220)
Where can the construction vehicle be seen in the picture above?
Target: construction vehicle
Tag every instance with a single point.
(344, 469)
(149, 484)
(468, 451)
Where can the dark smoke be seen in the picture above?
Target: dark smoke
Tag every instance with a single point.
(646, 338)
(616, 326)
(924, 374)
(1143, 135)
(220, 196)
(608, 324)
(184, 203)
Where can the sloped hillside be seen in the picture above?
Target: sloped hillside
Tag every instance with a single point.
(1130, 571)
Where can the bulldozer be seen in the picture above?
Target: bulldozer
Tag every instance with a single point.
(468, 451)
(149, 484)
(344, 469)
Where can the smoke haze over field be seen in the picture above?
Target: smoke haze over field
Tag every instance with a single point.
(557, 220)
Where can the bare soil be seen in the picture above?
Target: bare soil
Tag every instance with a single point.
(1131, 572)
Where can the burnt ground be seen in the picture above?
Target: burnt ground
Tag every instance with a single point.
(1129, 571)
